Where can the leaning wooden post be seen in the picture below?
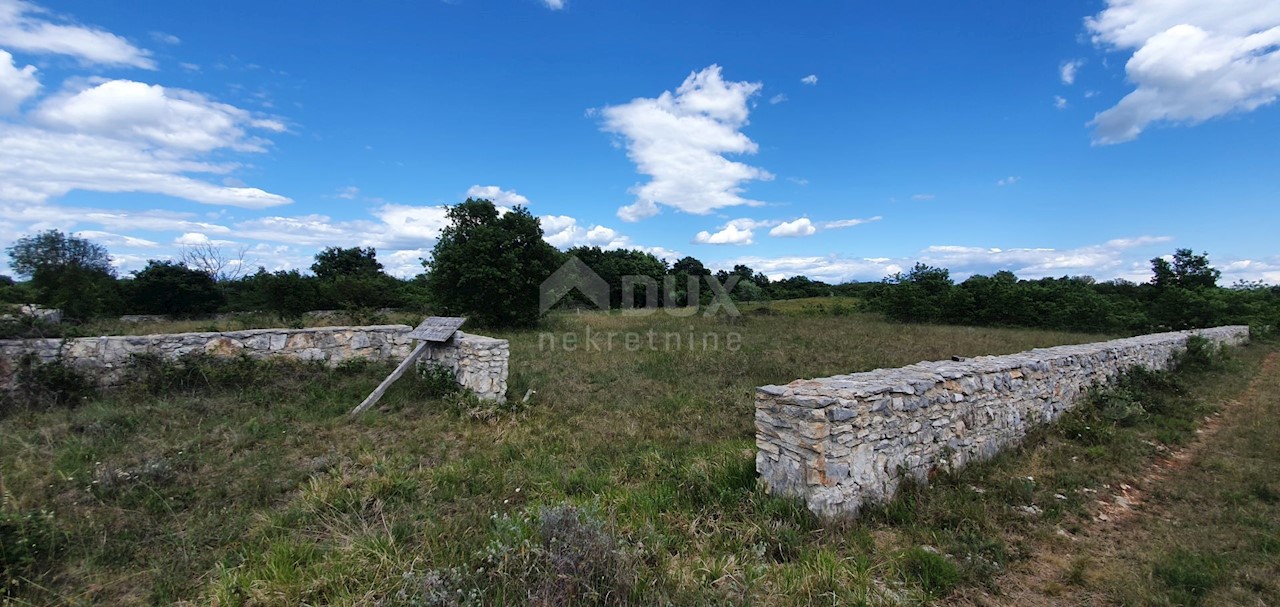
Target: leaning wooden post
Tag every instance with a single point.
(433, 330)
(391, 379)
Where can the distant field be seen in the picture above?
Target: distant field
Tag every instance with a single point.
(628, 478)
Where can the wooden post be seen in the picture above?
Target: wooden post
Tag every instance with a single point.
(386, 383)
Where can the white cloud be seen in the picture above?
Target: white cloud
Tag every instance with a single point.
(1192, 61)
(554, 5)
(172, 118)
(16, 85)
(810, 80)
(680, 139)
(923, 197)
(730, 234)
(117, 240)
(564, 232)
(798, 180)
(38, 164)
(848, 223)
(348, 193)
(793, 229)
(1059, 102)
(164, 38)
(498, 196)
(1113, 259)
(1067, 71)
(1010, 180)
(27, 27)
(776, 99)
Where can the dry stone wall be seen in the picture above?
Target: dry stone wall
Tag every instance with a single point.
(479, 363)
(843, 441)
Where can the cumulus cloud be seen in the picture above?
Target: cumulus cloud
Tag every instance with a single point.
(1067, 71)
(810, 80)
(348, 193)
(150, 113)
(16, 85)
(741, 231)
(126, 136)
(554, 5)
(1192, 61)
(30, 28)
(1059, 102)
(1010, 180)
(563, 231)
(776, 99)
(730, 234)
(498, 196)
(794, 229)
(680, 140)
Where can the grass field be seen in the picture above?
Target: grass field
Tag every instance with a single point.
(628, 478)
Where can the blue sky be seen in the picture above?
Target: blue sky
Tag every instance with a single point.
(835, 139)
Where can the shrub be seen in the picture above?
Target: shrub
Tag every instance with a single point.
(191, 373)
(171, 288)
(438, 381)
(28, 544)
(560, 556)
(1200, 355)
(51, 384)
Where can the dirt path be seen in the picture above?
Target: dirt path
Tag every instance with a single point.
(1114, 523)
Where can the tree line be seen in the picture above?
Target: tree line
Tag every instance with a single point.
(489, 266)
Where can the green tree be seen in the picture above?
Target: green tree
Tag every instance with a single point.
(170, 287)
(488, 266)
(355, 261)
(922, 294)
(1187, 271)
(352, 279)
(288, 293)
(67, 272)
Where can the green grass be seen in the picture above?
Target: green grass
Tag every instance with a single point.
(628, 478)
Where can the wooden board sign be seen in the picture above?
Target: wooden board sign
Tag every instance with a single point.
(437, 329)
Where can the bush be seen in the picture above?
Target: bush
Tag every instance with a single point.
(561, 556)
(438, 381)
(28, 544)
(173, 289)
(1200, 355)
(194, 372)
(51, 384)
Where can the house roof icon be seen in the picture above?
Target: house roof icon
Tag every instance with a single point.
(574, 274)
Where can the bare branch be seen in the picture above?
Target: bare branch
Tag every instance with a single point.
(210, 258)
